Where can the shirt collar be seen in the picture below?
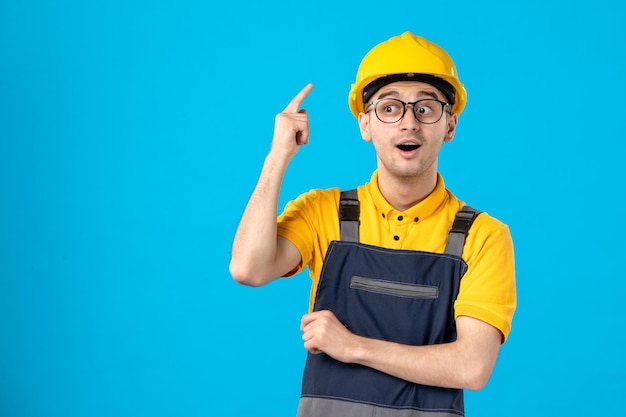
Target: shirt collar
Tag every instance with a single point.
(421, 210)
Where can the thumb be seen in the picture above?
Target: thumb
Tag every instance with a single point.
(302, 137)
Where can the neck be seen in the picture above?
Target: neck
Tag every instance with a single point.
(405, 192)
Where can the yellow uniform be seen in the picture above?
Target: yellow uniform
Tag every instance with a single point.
(487, 290)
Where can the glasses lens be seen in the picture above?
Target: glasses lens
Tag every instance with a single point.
(389, 110)
(428, 111)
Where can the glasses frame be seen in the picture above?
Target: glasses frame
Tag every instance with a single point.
(412, 103)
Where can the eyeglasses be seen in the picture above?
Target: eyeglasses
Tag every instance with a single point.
(391, 110)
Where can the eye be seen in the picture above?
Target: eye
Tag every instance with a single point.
(389, 110)
(424, 109)
(390, 107)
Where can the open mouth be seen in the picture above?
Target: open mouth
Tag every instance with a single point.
(407, 147)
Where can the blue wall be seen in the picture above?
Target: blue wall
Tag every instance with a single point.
(132, 133)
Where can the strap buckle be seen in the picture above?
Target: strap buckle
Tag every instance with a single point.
(463, 221)
(349, 210)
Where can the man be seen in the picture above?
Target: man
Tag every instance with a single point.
(413, 293)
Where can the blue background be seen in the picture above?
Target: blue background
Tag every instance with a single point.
(132, 134)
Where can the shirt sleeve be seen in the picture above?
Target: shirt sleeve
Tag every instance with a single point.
(309, 222)
(487, 290)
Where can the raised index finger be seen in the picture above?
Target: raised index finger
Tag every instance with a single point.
(295, 103)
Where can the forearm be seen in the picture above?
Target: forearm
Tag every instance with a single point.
(465, 363)
(445, 365)
(254, 248)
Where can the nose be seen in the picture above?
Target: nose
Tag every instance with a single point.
(409, 121)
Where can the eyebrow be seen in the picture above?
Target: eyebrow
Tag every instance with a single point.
(395, 93)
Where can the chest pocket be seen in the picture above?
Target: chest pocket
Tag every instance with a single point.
(393, 288)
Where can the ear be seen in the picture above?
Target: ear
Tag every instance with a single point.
(451, 126)
(364, 126)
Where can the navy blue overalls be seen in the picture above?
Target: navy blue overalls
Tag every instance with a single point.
(403, 296)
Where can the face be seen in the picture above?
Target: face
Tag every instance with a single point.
(407, 148)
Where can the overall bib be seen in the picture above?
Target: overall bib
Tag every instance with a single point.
(403, 296)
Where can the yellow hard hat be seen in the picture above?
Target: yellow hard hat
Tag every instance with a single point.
(407, 57)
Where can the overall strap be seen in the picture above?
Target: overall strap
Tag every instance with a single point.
(462, 223)
(349, 223)
(349, 216)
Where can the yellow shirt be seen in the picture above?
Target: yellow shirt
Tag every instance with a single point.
(487, 290)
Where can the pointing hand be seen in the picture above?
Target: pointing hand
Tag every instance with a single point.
(291, 128)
